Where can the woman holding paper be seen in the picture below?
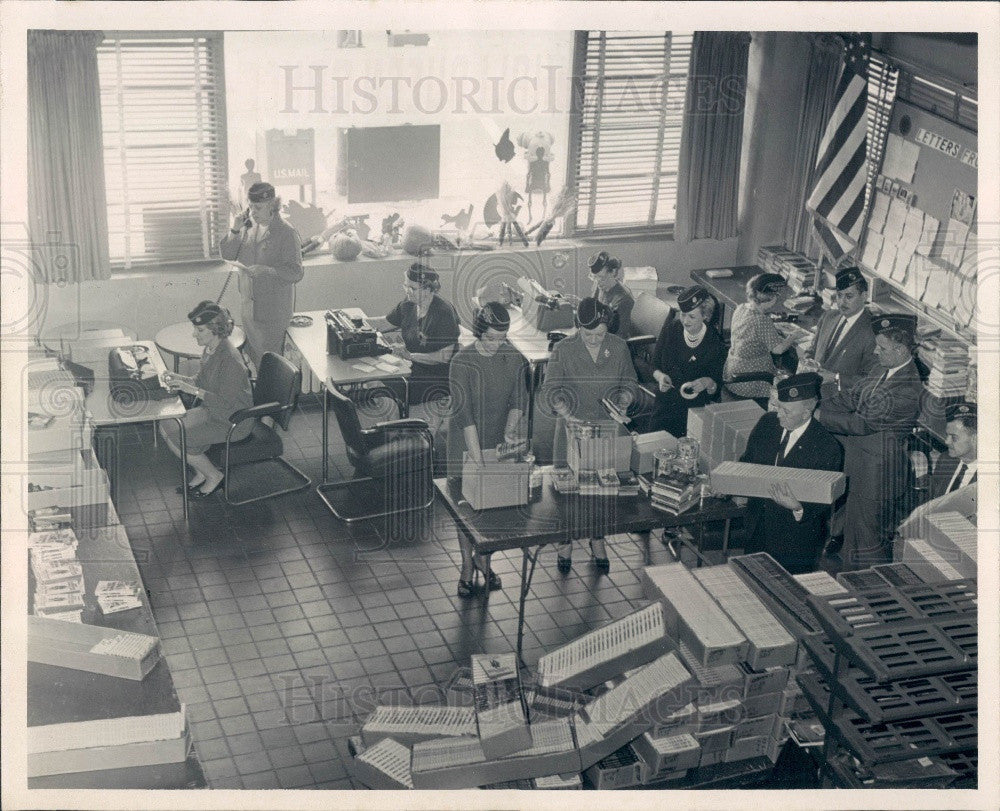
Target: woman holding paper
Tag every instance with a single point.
(585, 369)
(487, 383)
(687, 362)
(268, 255)
(223, 387)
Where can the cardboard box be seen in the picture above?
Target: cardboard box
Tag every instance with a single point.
(559, 782)
(645, 446)
(766, 725)
(927, 562)
(384, 766)
(713, 740)
(621, 769)
(499, 705)
(600, 453)
(684, 720)
(719, 715)
(493, 483)
(663, 756)
(69, 644)
(407, 725)
(634, 640)
(758, 682)
(955, 538)
(693, 617)
(746, 748)
(711, 758)
(696, 425)
(746, 479)
(766, 704)
(74, 432)
(640, 280)
(92, 489)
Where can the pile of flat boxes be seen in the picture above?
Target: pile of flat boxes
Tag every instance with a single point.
(697, 679)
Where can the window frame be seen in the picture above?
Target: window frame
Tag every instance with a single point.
(675, 83)
(211, 148)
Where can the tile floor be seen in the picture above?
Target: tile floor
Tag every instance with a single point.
(283, 628)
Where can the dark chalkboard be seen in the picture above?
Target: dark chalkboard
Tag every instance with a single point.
(386, 164)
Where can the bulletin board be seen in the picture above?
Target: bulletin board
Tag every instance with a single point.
(921, 234)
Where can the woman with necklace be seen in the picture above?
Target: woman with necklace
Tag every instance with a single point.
(687, 362)
(487, 380)
(585, 369)
(223, 387)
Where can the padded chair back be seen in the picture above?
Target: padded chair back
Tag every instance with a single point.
(278, 381)
(350, 426)
(648, 314)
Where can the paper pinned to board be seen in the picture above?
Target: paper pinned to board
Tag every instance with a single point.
(872, 249)
(895, 221)
(953, 243)
(928, 235)
(900, 160)
(887, 259)
(880, 209)
(913, 227)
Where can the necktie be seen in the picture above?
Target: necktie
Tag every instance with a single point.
(881, 380)
(834, 339)
(956, 482)
(781, 447)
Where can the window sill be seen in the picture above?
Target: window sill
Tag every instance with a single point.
(665, 232)
(171, 269)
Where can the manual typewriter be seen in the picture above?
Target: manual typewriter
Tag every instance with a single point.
(351, 337)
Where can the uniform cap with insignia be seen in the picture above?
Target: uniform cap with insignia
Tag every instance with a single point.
(804, 386)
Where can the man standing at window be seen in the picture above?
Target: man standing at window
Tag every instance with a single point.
(269, 258)
(872, 421)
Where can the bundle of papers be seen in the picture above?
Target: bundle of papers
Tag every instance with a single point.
(114, 596)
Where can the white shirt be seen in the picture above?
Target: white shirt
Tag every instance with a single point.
(793, 436)
(970, 471)
(848, 323)
(895, 369)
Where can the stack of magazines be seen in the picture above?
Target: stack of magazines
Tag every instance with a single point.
(675, 493)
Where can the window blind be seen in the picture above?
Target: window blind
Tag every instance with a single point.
(163, 111)
(628, 109)
(882, 84)
(940, 100)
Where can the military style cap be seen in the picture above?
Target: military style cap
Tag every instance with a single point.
(804, 386)
(691, 298)
(954, 412)
(204, 312)
(421, 274)
(260, 192)
(769, 283)
(590, 313)
(904, 321)
(848, 277)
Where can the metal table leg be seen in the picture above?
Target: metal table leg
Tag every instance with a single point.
(526, 574)
(326, 432)
(184, 490)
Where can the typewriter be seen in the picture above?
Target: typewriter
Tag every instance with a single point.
(350, 337)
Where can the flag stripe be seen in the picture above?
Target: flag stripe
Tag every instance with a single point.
(833, 182)
(851, 109)
(832, 206)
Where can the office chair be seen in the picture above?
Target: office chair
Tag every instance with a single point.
(275, 394)
(392, 461)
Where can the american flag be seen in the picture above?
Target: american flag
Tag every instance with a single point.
(837, 202)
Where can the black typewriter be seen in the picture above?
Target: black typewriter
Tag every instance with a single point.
(350, 337)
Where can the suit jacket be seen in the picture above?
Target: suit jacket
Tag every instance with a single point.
(854, 355)
(940, 477)
(872, 424)
(268, 295)
(619, 299)
(795, 544)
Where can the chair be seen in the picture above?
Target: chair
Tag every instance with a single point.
(392, 461)
(648, 316)
(275, 395)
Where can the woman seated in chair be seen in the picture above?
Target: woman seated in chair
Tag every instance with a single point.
(429, 328)
(585, 369)
(687, 362)
(223, 387)
(605, 271)
(488, 397)
(749, 368)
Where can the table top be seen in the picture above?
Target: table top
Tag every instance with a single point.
(311, 343)
(178, 339)
(64, 337)
(104, 409)
(556, 517)
(530, 341)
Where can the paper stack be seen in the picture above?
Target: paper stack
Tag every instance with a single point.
(948, 361)
(675, 493)
(114, 596)
(59, 587)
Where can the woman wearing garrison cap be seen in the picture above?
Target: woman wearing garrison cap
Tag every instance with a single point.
(222, 385)
(584, 369)
(687, 362)
(488, 395)
(749, 368)
(429, 328)
(270, 256)
(609, 290)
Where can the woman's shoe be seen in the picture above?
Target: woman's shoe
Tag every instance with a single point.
(200, 494)
(493, 581)
(466, 588)
(601, 564)
(564, 565)
(191, 488)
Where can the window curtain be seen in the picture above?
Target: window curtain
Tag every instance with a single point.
(708, 186)
(814, 111)
(66, 197)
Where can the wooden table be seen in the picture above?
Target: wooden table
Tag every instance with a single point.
(732, 292)
(559, 518)
(178, 340)
(106, 412)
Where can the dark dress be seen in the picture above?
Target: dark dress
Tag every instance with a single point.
(771, 528)
(619, 299)
(436, 330)
(683, 364)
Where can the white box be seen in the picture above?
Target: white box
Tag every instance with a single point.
(644, 446)
(663, 756)
(747, 479)
(493, 483)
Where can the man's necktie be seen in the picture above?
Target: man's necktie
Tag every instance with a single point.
(781, 447)
(956, 482)
(881, 380)
(834, 339)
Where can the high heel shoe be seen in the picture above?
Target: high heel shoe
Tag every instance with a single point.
(601, 564)
(201, 494)
(564, 565)
(492, 581)
(466, 588)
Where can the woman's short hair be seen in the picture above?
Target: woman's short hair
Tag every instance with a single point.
(492, 315)
(764, 287)
(421, 274)
(209, 314)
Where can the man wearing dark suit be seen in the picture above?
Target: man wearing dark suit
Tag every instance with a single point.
(957, 467)
(789, 531)
(872, 420)
(843, 352)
